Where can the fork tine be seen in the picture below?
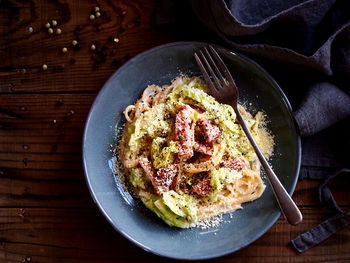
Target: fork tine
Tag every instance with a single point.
(205, 75)
(222, 65)
(216, 80)
(215, 67)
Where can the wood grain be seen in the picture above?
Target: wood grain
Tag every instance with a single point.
(23, 53)
(46, 212)
(82, 235)
(40, 159)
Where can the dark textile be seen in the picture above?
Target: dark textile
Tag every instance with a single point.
(314, 34)
(328, 227)
(321, 232)
(324, 105)
(305, 46)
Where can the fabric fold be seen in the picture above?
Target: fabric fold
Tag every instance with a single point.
(324, 105)
(288, 31)
(322, 231)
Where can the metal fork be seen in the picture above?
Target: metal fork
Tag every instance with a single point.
(224, 89)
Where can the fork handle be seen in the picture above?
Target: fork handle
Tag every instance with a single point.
(287, 205)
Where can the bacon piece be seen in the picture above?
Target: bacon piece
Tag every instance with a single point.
(237, 164)
(162, 179)
(209, 129)
(205, 149)
(203, 188)
(147, 167)
(183, 133)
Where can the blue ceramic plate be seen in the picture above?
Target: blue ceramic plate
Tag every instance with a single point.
(160, 65)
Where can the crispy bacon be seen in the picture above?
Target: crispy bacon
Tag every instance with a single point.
(202, 188)
(147, 167)
(209, 129)
(165, 177)
(162, 179)
(237, 164)
(205, 149)
(183, 133)
(205, 133)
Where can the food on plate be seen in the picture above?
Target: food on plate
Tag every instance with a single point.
(186, 156)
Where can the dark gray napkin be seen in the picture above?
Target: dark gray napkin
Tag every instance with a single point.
(305, 45)
(328, 227)
(323, 106)
(313, 34)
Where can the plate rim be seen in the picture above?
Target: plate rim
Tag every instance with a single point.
(103, 90)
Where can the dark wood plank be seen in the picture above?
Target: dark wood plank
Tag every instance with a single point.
(46, 212)
(41, 129)
(23, 53)
(40, 161)
(83, 235)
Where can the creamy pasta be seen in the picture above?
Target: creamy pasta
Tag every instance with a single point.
(187, 157)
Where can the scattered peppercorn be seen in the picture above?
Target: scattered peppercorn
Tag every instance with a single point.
(47, 25)
(54, 22)
(93, 47)
(64, 50)
(116, 40)
(97, 9)
(70, 113)
(98, 14)
(50, 30)
(124, 13)
(74, 42)
(44, 67)
(92, 17)
(58, 31)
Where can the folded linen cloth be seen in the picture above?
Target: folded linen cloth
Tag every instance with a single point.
(305, 46)
(323, 106)
(313, 35)
(328, 227)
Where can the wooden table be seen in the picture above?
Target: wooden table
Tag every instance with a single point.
(46, 213)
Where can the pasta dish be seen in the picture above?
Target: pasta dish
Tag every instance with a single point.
(186, 156)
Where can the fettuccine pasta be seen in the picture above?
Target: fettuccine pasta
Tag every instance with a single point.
(187, 157)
